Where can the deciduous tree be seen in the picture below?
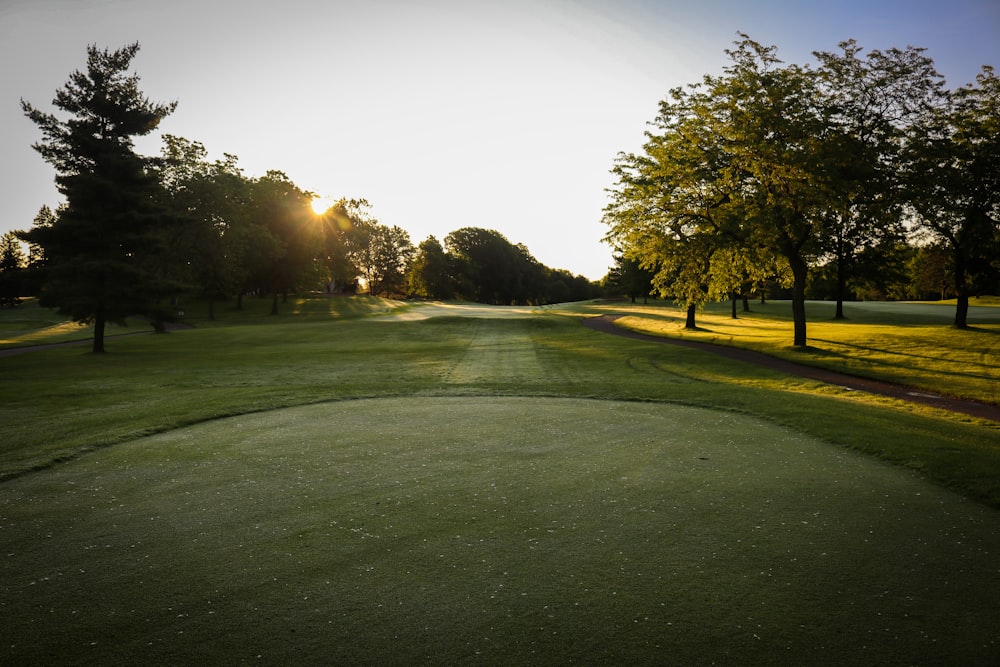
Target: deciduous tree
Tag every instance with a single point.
(868, 104)
(954, 182)
(431, 271)
(285, 211)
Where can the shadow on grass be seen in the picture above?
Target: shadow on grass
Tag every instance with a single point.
(979, 330)
(834, 356)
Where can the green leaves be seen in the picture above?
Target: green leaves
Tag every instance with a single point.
(772, 160)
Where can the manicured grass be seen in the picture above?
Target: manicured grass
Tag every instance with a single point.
(492, 530)
(431, 453)
(30, 324)
(149, 383)
(905, 343)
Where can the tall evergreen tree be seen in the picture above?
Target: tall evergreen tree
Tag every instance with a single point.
(100, 252)
(12, 264)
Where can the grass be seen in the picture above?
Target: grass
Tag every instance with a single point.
(904, 343)
(506, 488)
(497, 530)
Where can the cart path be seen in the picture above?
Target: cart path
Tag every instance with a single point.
(606, 324)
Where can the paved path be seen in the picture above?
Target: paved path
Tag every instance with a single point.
(606, 324)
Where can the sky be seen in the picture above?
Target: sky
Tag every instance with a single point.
(443, 114)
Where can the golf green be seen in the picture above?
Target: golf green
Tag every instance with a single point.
(498, 530)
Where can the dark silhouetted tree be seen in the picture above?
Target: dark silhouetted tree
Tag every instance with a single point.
(13, 262)
(431, 271)
(101, 251)
(490, 269)
(630, 278)
(285, 211)
(954, 183)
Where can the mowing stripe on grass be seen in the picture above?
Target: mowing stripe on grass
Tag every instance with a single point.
(498, 353)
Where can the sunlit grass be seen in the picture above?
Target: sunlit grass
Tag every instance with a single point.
(910, 344)
(29, 324)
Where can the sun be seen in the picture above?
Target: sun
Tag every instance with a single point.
(320, 205)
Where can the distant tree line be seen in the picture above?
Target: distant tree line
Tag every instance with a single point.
(482, 265)
(136, 233)
(862, 176)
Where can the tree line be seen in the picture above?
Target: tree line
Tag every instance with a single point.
(839, 177)
(136, 232)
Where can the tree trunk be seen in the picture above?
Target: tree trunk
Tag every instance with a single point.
(99, 332)
(732, 298)
(746, 302)
(274, 303)
(841, 281)
(690, 324)
(961, 292)
(799, 274)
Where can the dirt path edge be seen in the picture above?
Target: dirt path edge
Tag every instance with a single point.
(606, 324)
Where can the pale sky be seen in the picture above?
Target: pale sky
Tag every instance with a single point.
(503, 114)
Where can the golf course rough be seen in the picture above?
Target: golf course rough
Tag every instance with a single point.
(493, 530)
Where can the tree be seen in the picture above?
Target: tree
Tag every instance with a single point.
(98, 252)
(737, 270)
(954, 182)
(383, 255)
(218, 242)
(634, 280)
(674, 207)
(868, 104)
(774, 132)
(285, 211)
(338, 224)
(12, 264)
(489, 267)
(431, 271)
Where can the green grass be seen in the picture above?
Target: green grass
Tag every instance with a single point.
(454, 484)
(905, 343)
(492, 530)
(29, 324)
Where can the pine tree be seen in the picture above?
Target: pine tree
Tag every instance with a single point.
(102, 253)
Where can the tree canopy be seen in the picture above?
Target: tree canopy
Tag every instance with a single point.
(771, 170)
(100, 251)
